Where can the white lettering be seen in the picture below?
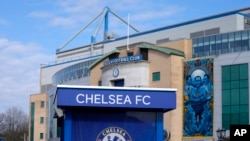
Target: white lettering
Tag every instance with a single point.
(138, 98)
(144, 99)
(239, 132)
(243, 131)
(137, 57)
(111, 99)
(146, 102)
(97, 99)
(89, 99)
(78, 98)
(127, 100)
(103, 100)
(119, 99)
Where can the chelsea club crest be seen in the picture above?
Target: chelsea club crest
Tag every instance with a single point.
(113, 134)
(115, 72)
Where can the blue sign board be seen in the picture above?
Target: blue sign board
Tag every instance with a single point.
(123, 60)
(144, 98)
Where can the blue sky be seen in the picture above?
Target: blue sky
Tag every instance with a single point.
(32, 30)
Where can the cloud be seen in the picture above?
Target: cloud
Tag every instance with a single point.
(20, 68)
(79, 12)
(61, 21)
(40, 14)
(3, 21)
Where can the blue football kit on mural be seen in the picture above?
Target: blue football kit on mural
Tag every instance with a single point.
(198, 94)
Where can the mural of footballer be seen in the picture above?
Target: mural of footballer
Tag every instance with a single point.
(198, 98)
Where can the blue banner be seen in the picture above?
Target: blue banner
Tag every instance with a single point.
(114, 126)
(163, 99)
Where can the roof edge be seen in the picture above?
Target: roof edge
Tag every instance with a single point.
(165, 50)
(103, 57)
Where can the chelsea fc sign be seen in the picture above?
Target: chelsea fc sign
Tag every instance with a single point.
(91, 96)
(113, 134)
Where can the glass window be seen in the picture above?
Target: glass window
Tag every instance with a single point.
(235, 104)
(235, 119)
(226, 97)
(244, 35)
(213, 49)
(206, 40)
(32, 121)
(244, 71)
(218, 38)
(32, 107)
(41, 135)
(245, 45)
(224, 37)
(218, 48)
(225, 47)
(42, 104)
(225, 44)
(195, 51)
(212, 39)
(234, 72)
(231, 46)
(243, 83)
(231, 41)
(237, 43)
(41, 119)
(231, 36)
(243, 109)
(237, 46)
(244, 96)
(156, 76)
(206, 50)
(118, 83)
(243, 118)
(226, 110)
(200, 50)
(235, 84)
(235, 109)
(200, 41)
(235, 97)
(225, 121)
(238, 35)
(226, 73)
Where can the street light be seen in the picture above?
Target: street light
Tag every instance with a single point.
(221, 133)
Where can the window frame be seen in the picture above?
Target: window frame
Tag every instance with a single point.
(156, 76)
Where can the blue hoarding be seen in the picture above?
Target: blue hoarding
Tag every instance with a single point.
(121, 97)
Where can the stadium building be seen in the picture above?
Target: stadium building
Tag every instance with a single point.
(206, 60)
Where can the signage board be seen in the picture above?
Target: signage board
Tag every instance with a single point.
(122, 60)
(147, 98)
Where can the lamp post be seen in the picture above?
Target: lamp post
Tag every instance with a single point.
(221, 133)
